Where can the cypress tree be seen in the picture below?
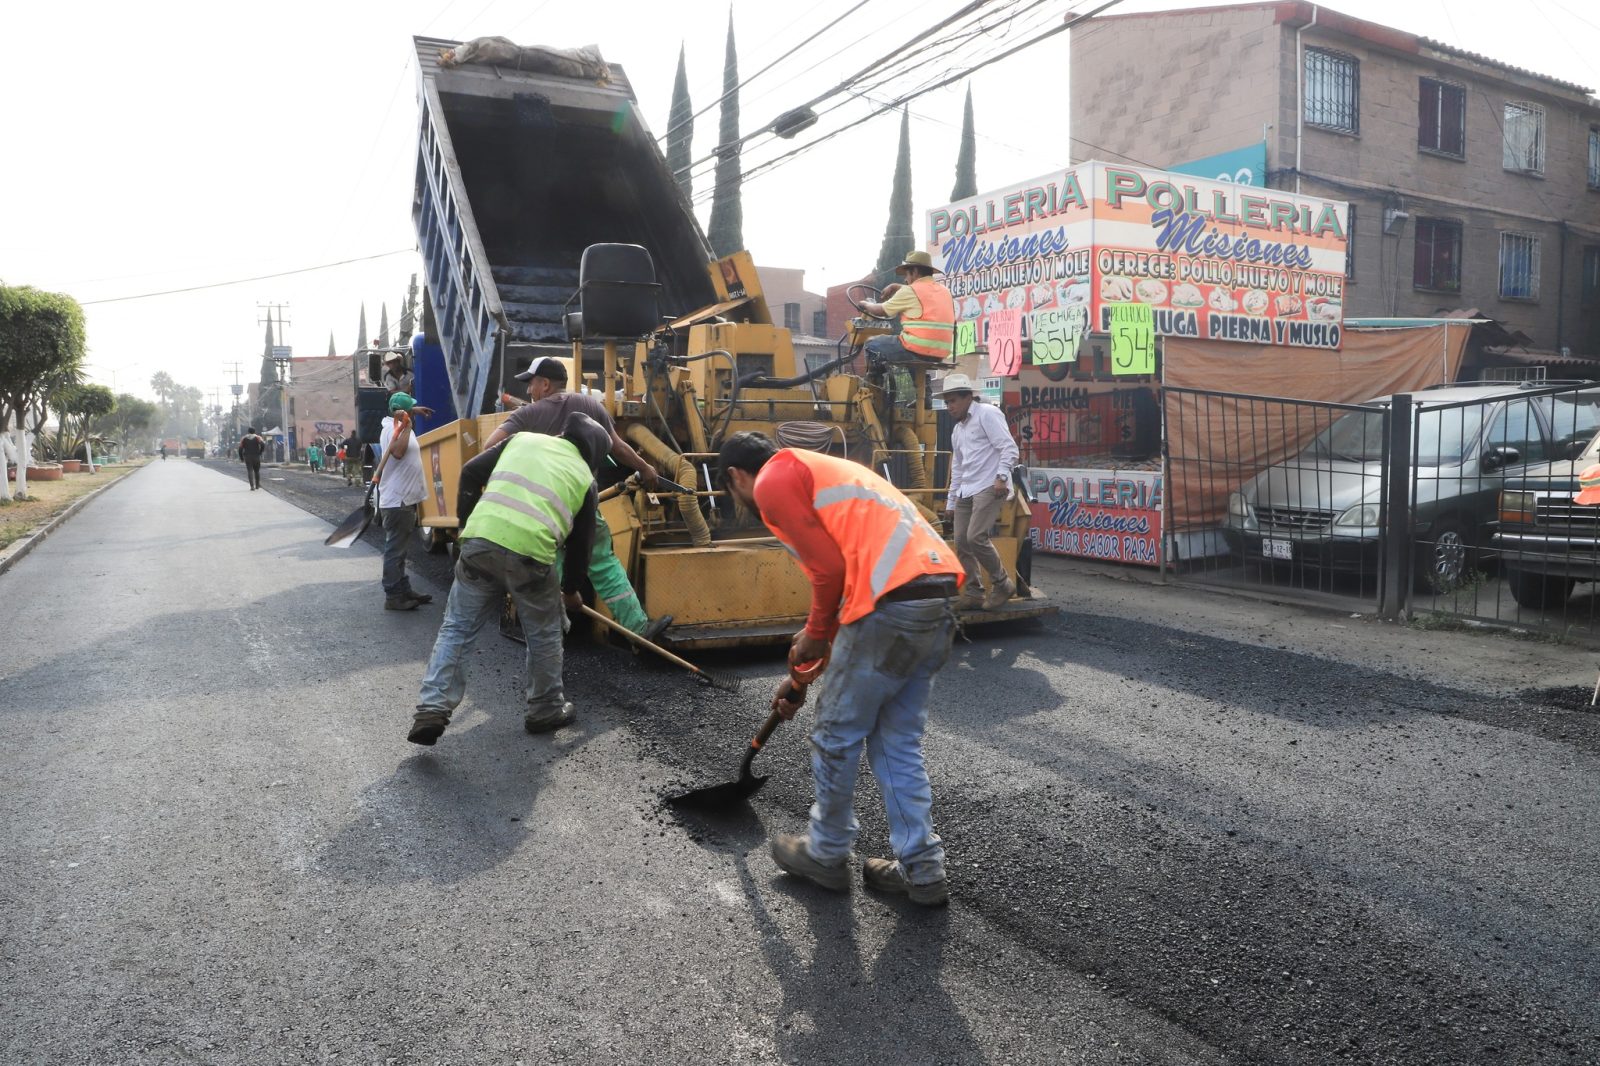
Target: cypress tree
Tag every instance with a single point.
(267, 394)
(680, 129)
(727, 213)
(332, 351)
(898, 236)
(383, 326)
(361, 335)
(967, 157)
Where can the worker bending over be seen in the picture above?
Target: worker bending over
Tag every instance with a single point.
(521, 503)
(881, 584)
(927, 314)
(548, 411)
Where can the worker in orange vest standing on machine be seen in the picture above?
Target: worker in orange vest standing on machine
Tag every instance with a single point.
(881, 620)
(927, 314)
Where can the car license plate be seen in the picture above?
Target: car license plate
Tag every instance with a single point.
(1277, 549)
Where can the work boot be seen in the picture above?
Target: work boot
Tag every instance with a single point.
(971, 597)
(792, 853)
(403, 602)
(421, 597)
(886, 875)
(999, 593)
(545, 721)
(653, 631)
(427, 727)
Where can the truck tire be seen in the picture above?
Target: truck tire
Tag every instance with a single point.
(1538, 591)
(435, 541)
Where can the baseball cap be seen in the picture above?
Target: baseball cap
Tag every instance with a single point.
(545, 367)
(401, 401)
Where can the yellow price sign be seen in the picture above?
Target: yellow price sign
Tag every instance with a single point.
(1056, 335)
(1133, 339)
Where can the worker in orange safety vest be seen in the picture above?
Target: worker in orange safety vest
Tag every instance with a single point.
(927, 314)
(882, 582)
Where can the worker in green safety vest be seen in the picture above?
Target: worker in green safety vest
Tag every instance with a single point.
(522, 504)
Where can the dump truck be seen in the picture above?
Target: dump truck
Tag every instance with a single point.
(550, 225)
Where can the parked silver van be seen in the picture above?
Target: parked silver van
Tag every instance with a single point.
(1320, 509)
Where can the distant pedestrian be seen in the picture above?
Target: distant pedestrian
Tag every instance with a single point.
(523, 504)
(881, 584)
(400, 489)
(163, 452)
(251, 445)
(314, 457)
(982, 453)
(350, 456)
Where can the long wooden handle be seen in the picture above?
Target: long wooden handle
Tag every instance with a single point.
(637, 639)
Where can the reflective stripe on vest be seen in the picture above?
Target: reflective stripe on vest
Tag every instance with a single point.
(528, 505)
(933, 333)
(882, 536)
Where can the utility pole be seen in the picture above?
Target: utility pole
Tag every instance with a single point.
(281, 355)
(237, 389)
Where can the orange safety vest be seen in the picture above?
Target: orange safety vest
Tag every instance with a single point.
(933, 334)
(885, 541)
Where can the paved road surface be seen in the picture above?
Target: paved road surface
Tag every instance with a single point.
(1177, 836)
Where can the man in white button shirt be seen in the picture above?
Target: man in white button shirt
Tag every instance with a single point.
(982, 455)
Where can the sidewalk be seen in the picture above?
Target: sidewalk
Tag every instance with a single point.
(1488, 662)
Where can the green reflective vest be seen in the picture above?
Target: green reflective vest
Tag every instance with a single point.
(528, 505)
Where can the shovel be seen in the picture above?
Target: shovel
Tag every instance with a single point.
(727, 684)
(349, 531)
(721, 797)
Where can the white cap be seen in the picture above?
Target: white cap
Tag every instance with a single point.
(956, 383)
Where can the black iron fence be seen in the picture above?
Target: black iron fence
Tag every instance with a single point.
(1275, 492)
(1465, 500)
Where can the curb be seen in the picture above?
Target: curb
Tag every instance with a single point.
(31, 541)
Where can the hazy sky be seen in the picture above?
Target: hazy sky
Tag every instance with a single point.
(164, 145)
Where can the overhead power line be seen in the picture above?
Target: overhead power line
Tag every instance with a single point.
(965, 72)
(242, 281)
(858, 6)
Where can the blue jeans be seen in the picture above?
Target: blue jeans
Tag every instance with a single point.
(485, 573)
(876, 691)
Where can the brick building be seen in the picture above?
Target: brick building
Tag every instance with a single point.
(322, 398)
(804, 314)
(1472, 183)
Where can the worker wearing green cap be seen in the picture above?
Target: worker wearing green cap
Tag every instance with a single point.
(400, 489)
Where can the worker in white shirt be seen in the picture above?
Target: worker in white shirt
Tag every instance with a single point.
(982, 455)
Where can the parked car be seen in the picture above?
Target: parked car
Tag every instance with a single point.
(1321, 508)
(1547, 541)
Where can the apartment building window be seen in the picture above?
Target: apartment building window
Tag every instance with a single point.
(1442, 118)
(1591, 275)
(819, 323)
(1438, 255)
(1519, 266)
(1594, 157)
(1350, 246)
(791, 317)
(1524, 143)
(1333, 90)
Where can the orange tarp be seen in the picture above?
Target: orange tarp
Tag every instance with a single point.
(1216, 444)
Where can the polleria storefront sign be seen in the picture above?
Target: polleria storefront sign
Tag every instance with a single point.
(1112, 515)
(1213, 260)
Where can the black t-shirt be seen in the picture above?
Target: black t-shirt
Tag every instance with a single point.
(251, 447)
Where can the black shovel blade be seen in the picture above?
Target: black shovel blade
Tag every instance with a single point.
(349, 531)
(719, 797)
